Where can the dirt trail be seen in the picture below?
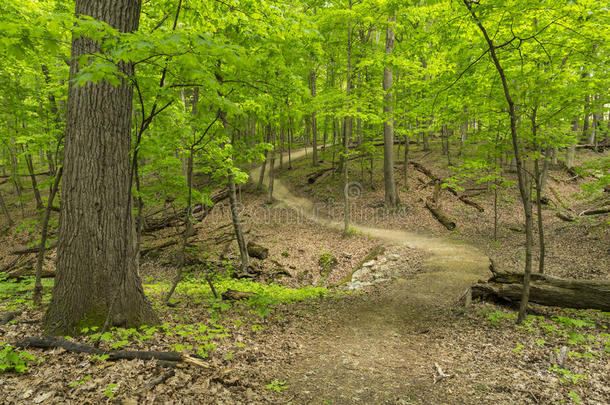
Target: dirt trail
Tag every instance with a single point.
(376, 347)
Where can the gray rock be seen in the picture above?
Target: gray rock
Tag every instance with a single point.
(361, 275)
(393, 257)
(368, 264)
(358, 285)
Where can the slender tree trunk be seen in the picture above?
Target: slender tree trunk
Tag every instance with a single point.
(97, 268)
(37, 296)
(5, 211)
(571, 152)
(32, 173)
(347, 127)
(521, 174)
(281, 147)
(189, 229)
(262, 175)
(314, 120)
(271, 169)
(538, 183)
(391, 197)
(290, 140)
(405, 169)
(239, 234)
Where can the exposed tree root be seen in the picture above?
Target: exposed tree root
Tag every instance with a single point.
(50, 342)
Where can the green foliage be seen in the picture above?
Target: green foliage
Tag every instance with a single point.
(574, 397)
(81, 381)
(567, 376)
(495, 317)
(16, 294)
(110, 390)
(277, 386)
(12, 359)
(327, 262)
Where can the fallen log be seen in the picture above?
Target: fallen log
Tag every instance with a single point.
(453, 191)
(159, 380)
(25, 175)
(506, 286)
(28, 271)
(34, 249)
(565, 217)
(313, 177)
(474, 204)
(147, 250)
(51, 342)
(234, 295)
(157, 224)
(595, 148)
(598, 211)
(9, 316)
(440, 216)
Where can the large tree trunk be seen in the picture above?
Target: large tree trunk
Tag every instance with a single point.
(391, 197)
(97, 268)
(545, 290)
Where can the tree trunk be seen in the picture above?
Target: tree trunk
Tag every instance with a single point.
(262, 175)
(30, 165)
(538, 182)
(406, 168)
(545, 290)
(5, 211)
(391, 197)
(97, 268)
(239, 234)
(314, 119)
(37, 296)
(347, 129)
(271, 169)
(521, 173)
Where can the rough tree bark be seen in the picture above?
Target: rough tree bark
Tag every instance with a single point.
(97, 267)
(391, 197)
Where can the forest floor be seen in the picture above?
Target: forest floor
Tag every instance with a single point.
(316, 341)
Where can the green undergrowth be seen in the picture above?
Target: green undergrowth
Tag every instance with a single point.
(267, 295)
(17, 294)
(201, 337)
(572, 338)
(196, 336)
(576, 328)
(13, 359)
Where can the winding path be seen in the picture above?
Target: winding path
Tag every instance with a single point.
(374, 348)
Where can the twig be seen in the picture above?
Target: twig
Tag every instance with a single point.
(441, 375)
(159, 380)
